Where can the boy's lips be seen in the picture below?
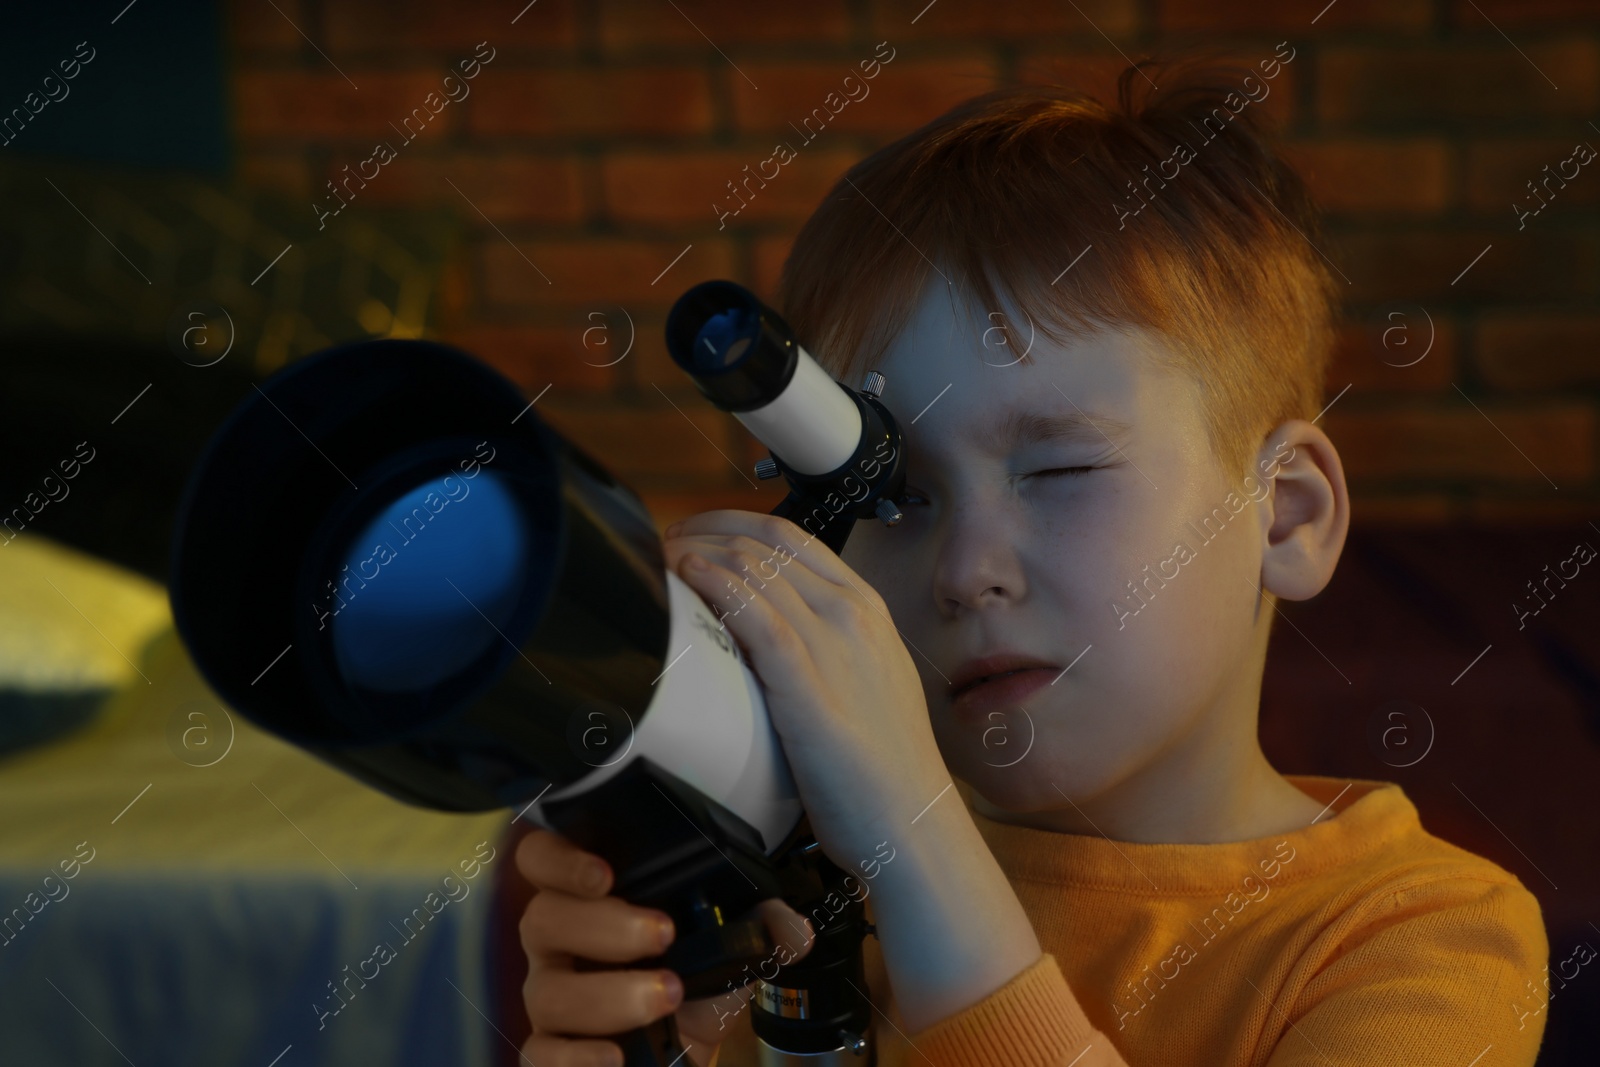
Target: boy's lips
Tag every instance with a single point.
(1003, 692)
(978, 670)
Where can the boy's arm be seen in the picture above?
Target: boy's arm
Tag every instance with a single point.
(1431, 973)
(1032, 1019)
(967, 972)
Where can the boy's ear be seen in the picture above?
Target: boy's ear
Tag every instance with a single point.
(1307, 514)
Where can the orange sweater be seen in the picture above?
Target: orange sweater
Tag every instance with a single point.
(1359, 940)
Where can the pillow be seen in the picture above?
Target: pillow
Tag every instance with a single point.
(73, 629)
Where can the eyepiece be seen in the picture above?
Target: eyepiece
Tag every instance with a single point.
(724, 338)
(740, 353)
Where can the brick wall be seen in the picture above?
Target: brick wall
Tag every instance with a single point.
(588, 154)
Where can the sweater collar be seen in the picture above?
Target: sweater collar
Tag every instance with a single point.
(1362, 817)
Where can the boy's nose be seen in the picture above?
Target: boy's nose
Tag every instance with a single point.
(977, 563)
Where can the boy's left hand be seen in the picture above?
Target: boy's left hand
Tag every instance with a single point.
(841, 690)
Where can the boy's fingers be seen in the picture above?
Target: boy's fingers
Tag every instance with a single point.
(773, 530)
(788, 928)
(547, 1050)
(710, 1021)
(755, 566)
(599, 1002)
(609, 930)
(550, 861)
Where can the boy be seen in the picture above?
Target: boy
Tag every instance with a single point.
(1105, 336)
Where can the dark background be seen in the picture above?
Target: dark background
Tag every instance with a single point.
(587, 157)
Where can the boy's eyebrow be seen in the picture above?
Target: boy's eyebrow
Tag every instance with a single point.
(1024, 427)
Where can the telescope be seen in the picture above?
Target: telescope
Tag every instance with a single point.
(385, 557)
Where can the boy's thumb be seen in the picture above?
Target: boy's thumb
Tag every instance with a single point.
(787, 927)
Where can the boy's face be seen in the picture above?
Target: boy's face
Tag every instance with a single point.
(994, 557)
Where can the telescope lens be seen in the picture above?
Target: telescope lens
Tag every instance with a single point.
(429, 583)
(724, 338)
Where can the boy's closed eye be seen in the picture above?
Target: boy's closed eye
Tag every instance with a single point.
(912, 496)
(1054, 471)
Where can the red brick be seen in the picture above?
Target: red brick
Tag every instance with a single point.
(1498, 173)
(769, 254)
(1370, 510)
(905, 94)
(1375, 356)
(649, 444)
(1503, 13)
(538, 356)
(595, 274)
(1423, 265)
(311, 104)
(381, 26)
(633, 100)
(1539, 350)
(281, 172)
(676, 188)
(1458, 443)
(258, 27)
(654, 373)
(652, 370)
(1467, 83)
(1097, 74)
(1252, 15)
(506, 188)
(751, 451)
(969, 19)
(1540, 509)
(632, 24)
(1375, 176)
(457, 290)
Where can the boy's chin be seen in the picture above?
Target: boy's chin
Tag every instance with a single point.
(1016, 789)
(1022, 788)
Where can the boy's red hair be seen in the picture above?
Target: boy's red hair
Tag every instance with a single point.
(1006, 189)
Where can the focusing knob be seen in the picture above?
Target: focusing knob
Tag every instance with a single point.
(767, 467)
(852, 1041)
(888, 512)
(873, 384)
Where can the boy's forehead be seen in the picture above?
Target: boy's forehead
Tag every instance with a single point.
(954, 379)
(1013, 425)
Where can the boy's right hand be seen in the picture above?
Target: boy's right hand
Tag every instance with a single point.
(571, 915)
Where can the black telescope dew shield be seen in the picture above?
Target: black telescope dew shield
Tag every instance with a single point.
(385, 557)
